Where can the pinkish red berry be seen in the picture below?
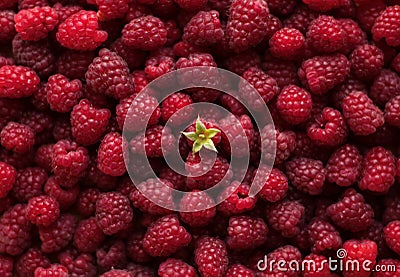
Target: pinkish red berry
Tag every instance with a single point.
(294, 104)
(8, 176)
(42, 210)
(386, 26)
(17, 81)
(211, 256)
(110, 157)
(245, 232)
(173, 267)
(62, 94)
(17, 137)
(287, 44)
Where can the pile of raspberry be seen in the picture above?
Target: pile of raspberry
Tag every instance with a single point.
(328, 72)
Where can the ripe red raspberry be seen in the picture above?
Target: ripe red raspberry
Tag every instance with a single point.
(286, 217)
(17, 137)
(265, 85)
(355, 36)
(62, 94)
(284, 72)
(192, 5)
(322, 73)
(55, 270)
(42, 210)
(112, 255)
(385, 86)
(15, 231)
(62, 129)
(29, 183)
(202, 207)
(318, 266)
(366, 61)
(286, 254)
(17, 81)
(294, 104)
(241, 62)
(88, 235)
(88, 123)
(111, 9)
(344, 166)
(323, 236)
(391, 212)
(6, 266)
(145, 33)
(117, 273)
(360, 251)
(245, 232)
(235, 199)
(160, 192)
(275, 187)
(165, 236)
(322, 6)
(351, 212)
(379, 170)
(392, 234)
(301, 18)
(63, 11)
(6, 61)
(135, 249)
(59, 234)
(174, 267)
(247, 24)
(133, 57)
(86, 203)
(7, 30)
(110, 154)
(386, 263)
(173, 104)
(8, 176)
(78, 265)
(80, 31)
(307, 175)
(109, 74)
(328, 128)
(6, 4)
(211, 257)
(66, 197)
(69, 161)
(392, 112)
(34, 24)
(74, 64)
(287, 43)
(158, 65)
(387, 26)
(326, 34)
(239, 270)
(284, 143)
(113, 212)
(204, 29)
(362, 116)
(27, 263)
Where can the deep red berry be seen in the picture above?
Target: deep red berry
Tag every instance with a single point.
(287, 43)
(294, 104)
(386, 263)
(29, 261)
(286, 254)
(386, 26)
(78, 265)
(112, 9)
(64, 196)
(201, 209)
(73, 64)
(173, 267)
(275, 186)
(42, 210)
(172, 104)
(236, 199)
(29, 183)
(318, 266)
(17, 81)
(355, 36)
(211, 257)
(360, 251)
(283, 144)
(386, 85)
(6, 266)
(8, 176)
(117, 273)
(43, 156)
(392, 112)
(55, 270)
(17, 137)
(62, 94)
(245, 232)
(366, 61)
(110, 155)
(7, 25)
(88, 235)
(112, 255)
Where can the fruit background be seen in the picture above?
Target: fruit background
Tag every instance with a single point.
(70, 70)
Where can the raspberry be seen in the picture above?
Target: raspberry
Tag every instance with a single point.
(245, 232)
(110, 154)
(287, 44)
(53, 270)
(362, 116)
(286, 217)
(145, 33)
(173, 104)
(323, 236)
(80, 31)
(78, 265)
(62, 94)
(241, 62)
(109, 74)
(275, 187)
(318, 266)
(112, 255)
(157, 66)
(392, 111)
(361, 251)
(344, 166)
(5, 4)
(173, 267)
(192, 5)
(284, 72)
(64, 196)
(113, 212)
(265, 85)
(17, 81)
(59, 234)
(88, 235)
(161, 193)
(62, 129)
(64, 11)
(307, 175)
(42, 210)
(165, 236)
(8, 176)
(133, 57)
(86, 203)
(385, 86)
(351, 212)
(386, 26)
(239, 270)
(202, 205)
(354, 35)
(88, 123)
(379, 170)
(366, 61)
(73, 64)
(294, 104)
(69, 160)
(286, 254)
(284, 142)
(235, 199)
(15, 231)
(367, 14)
(386, 263)
(17, 137)
(301, 18)
(322, 73)
(30, 4)
(7, 30)
(6, 266)
(232, 104)
(135, 249)
(29, 183)
(203, 29)
(27, 263)
(34, 24)
(328, 128)
(117, 273)
(247, 24)
(211, 256)
(326, 34)
(111, 10)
